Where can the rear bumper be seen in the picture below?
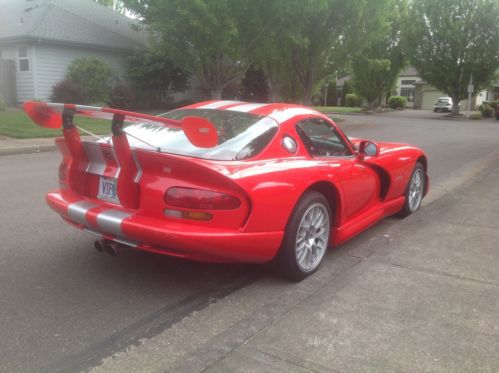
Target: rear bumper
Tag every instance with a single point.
(161, 236)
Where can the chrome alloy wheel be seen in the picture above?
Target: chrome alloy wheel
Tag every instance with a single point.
(312, 237)
(416, 189)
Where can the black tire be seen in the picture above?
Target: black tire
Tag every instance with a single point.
(286, 262)
(409, 207)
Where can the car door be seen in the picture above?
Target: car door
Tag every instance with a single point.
(359, 183)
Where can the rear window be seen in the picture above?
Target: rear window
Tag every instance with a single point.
(240, 135)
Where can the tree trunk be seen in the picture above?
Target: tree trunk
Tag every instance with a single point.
(307, 94)
(455, 105)
(216, 93)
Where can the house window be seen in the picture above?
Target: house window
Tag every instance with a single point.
(407, 93)
(23, 59)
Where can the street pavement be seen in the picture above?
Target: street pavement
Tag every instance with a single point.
(418, 294)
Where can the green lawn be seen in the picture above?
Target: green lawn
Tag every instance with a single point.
(15, 123)
(337, 109)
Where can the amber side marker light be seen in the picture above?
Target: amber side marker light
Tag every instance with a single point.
(192, 215)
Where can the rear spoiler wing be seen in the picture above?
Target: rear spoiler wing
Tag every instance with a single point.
(200, 132)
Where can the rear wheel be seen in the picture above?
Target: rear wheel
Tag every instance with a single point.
(415, 190)
(306, 238)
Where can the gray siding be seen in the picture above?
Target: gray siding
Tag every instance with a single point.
(24, 79)
(52, 62)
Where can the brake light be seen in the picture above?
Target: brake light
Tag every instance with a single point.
(200, 199)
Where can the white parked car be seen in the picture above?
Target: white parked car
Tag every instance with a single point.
(443, 104)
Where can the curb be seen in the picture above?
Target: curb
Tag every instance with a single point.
(27, 149)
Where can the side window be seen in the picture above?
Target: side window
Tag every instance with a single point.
(321, 139)
(23, 59)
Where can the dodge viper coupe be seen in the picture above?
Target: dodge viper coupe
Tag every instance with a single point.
(226, 181)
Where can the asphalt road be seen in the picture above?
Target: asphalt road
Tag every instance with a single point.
(64, 306)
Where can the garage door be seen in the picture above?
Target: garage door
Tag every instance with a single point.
(429, 98)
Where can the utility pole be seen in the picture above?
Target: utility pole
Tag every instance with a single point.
(470, 92)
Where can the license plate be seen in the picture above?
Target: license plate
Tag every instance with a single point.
(107, 190)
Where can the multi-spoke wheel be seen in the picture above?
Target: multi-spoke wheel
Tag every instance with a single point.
(306, 238)
(415, 190)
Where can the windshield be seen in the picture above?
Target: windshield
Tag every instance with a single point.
(240, 135)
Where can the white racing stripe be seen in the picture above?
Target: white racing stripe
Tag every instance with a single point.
(217, 104)
(245, 108)
(280, 116)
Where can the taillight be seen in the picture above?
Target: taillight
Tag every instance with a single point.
(200, 199)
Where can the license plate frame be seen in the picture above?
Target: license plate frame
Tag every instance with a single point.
(108, 189)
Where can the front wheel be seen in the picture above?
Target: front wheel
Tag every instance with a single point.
(306, 238)
(415, 190)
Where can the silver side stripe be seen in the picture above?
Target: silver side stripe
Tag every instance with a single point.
(97, 164)
(77, 211)
(110, 221)
(217, 104)
(246, 107)
(138, 176)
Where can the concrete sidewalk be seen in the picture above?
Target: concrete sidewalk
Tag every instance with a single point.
(421, 295)
(25, 146)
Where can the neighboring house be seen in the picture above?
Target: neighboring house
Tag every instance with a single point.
(421, 95)
(405, 85)
(43, 37)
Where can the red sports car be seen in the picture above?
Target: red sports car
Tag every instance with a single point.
(227, 181)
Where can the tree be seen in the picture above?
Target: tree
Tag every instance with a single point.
(95, 78)
(376, 68)
(319, 37)
(212, 39)
(116, 5)
(155, 76)
(450, 41)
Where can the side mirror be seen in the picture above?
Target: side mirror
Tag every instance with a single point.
(368, 149)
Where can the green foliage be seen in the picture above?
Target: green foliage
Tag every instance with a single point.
(449, 41)
(376, 68)
(122, 97)
(255, 87)
(346, 89)
(371, 77)
(352, 100)
(116, 5)
(397, 102)
(95, 78)
(67, 91)
(486, 110)
(493, 104)
(155, 78)
(2, 104)
(212, 39)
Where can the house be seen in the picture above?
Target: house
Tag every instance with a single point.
(422, 95)
(43, 37)
(405, 85)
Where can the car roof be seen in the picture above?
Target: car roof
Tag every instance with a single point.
(280, 112)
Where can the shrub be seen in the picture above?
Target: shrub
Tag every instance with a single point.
(397, 102)
(2, 104)
(94, 76)
(492, 104)
(475, 116)
(122, 97)
(352, 100)
(67, 91)
(486, 110)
